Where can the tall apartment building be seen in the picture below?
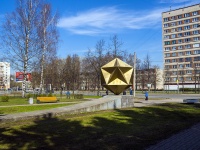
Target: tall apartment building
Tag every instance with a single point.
(4, 75)
(181, 47)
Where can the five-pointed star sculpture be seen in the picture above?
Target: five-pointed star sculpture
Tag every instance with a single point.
(116, 76)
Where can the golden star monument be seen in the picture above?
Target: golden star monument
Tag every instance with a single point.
(116, 76)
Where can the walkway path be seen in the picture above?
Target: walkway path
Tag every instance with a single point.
(186, 140)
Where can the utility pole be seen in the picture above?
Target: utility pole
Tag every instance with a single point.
(134, 74)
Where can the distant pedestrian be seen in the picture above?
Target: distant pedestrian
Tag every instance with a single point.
(146, 95)
(106, 92)
(124, 92)
(68, 94)
(131, 92)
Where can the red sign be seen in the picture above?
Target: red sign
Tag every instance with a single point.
(20, 76)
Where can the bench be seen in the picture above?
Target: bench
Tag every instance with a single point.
(47, 99)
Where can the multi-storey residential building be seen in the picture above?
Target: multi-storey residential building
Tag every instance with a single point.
(4, 75)
(181, 47)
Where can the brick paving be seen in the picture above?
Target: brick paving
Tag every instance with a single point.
(188, 139)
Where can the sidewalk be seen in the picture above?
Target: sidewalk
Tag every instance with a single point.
(186, 140)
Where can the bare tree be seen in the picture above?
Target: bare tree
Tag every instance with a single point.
(48, 36)
(20, 37)
(115, 48)
(96, 60)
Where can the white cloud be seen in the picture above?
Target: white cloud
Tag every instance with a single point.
(109, 20)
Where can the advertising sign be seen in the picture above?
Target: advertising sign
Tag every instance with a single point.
(20, 76)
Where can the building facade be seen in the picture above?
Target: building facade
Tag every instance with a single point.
(4, 75)
(151, 79)
(181, 47)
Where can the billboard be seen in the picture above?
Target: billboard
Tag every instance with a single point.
(20, 76)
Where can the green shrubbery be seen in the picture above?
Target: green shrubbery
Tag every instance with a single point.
(5, 98)
(45, 95)
(76, 96)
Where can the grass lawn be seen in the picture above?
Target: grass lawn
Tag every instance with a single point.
(134, 128)
(24, 101)
(28, 108)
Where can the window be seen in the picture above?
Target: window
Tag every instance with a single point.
(166, 37)
(166, 31)
(188, 78)
(166, 66)
(180, 34)
(179, 41)
(174, 79)
(197, 65)
(197, 58)
(167, 48)
(174, 48)
(174, 72)
(167, 61)
(195, 26)
(180, 59)
(173, 60)
(166, 25)
(188, 65)
(179, 16)
(167, 42)
(197, 52)
(196, 32)
(173, 54)
(167, 55)
(174, 66)
(195, 45)
(187, 21)
(186, 27)
(173, 36)
(181, 79)
(188, 59)
(181, 66)
(179, 22)
(188, 71)
(195, 13)
(187, 15)
(195, 38)
(188, 53)
(173, 30)
(173, 24)
(180, 47)
(166, 19)
(173, 18)
(188, 46)
(186, 33)
(173, 41)
(195, 19)
(180, 54)
(179, 28)
(187, 40)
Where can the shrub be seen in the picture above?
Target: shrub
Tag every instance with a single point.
(50, 95)
(5, 98)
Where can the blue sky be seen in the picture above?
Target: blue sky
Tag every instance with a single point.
(137, 24)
